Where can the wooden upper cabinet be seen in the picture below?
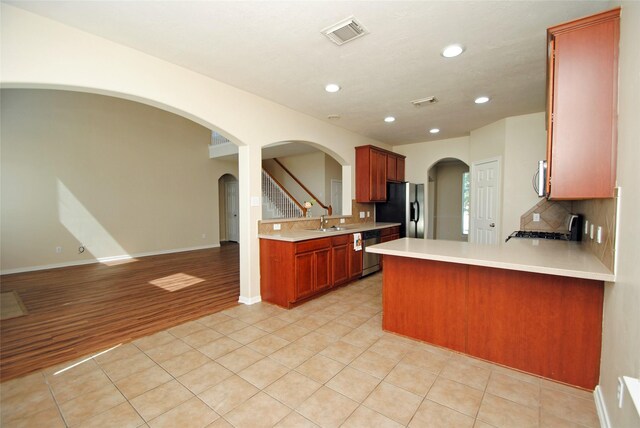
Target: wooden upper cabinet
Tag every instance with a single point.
(374, 167)
(582, 107)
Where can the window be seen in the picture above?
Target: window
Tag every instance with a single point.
(465, 202)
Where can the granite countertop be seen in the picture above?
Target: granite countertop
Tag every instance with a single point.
(303, 235)
(550, 257)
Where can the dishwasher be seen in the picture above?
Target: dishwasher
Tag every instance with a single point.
(370, 261)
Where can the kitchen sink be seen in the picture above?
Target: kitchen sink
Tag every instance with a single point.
(328, 229)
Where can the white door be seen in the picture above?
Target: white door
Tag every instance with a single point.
(336, 197)
(485, 201)
(231, 202)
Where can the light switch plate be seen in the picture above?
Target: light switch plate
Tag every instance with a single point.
(599, 235)
(361, 214)
(536, 216)
(276, 226)
(342, 221)
(591, 231)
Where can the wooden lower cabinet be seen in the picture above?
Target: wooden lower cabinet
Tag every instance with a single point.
(355, 262)
(340, 259)
(294, 271)
(547, 325)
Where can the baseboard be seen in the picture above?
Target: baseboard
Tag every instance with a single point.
(249, 300)
(601, 408)
(105, 259)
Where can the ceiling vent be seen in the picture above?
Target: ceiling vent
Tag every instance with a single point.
(345, 31)
(424, 101)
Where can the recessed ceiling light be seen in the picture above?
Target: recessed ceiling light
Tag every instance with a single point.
(389, 119)
(482, 100)
(434, 130)
(452, 51)
(332, 87)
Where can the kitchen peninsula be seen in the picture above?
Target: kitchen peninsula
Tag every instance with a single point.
(531, 305)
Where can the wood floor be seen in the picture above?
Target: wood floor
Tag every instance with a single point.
(79, 310)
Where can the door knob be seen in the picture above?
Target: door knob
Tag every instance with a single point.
(492, 225)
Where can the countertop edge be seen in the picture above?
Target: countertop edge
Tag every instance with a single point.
(305, 235)
(597, 276)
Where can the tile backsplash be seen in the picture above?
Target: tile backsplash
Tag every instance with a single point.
(599, 212)
(553, 215)
(265, 227)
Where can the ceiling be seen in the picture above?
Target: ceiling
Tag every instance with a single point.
(274, 49)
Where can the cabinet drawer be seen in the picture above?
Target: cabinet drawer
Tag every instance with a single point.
(395, 230)
(312, 245)
(340, 240)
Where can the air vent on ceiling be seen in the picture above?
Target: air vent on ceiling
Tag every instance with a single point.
(345, 31)
(424, 101)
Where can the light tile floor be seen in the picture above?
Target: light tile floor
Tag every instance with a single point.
(326, 363)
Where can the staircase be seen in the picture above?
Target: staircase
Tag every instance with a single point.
(276, 202)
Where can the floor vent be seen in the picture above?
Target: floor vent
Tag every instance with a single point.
(345, 31)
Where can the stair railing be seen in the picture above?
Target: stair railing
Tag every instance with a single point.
(328, 208)
(281, 198)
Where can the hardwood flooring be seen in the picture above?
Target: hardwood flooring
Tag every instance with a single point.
(79, 310)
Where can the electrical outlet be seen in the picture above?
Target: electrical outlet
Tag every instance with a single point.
(599, 235)
(620, 392)
(368, 214)
(276, 226)
(58, 250)
(586, 227)
(342, 221)
(536, 216)
(361, 214)
(591, 231)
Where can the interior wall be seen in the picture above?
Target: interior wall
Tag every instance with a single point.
(621, 326)
(525, 145)
(520, 141)
(115, 176)
(448, 200)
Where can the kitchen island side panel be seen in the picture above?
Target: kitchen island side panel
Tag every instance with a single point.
(543, 324)
(546, 325)
(425, 300)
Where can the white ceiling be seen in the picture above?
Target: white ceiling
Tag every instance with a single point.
(274, 49)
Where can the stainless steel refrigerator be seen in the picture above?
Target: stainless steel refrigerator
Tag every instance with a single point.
(405, 205)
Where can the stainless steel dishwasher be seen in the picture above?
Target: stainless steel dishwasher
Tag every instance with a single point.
(370, 261)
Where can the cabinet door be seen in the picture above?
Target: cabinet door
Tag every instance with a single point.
(355, 262)
(378, 176)
(305, 275)
(322, 269)
(583, 87)
(340, 264)
(400, 169)
(391, 168)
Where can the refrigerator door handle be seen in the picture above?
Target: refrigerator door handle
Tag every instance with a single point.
(417, 210)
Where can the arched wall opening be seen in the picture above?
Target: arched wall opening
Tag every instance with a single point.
(448, 200)
(308, 172)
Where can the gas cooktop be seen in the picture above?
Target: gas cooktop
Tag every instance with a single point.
(538, 235)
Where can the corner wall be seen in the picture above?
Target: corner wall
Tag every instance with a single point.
(621, 330)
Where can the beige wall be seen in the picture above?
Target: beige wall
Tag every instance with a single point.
(115, 176)
(525, 145)
(448, 200)
(519, 141)
(621, 333)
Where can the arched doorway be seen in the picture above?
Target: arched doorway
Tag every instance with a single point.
(448, 200)
(229, 217)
